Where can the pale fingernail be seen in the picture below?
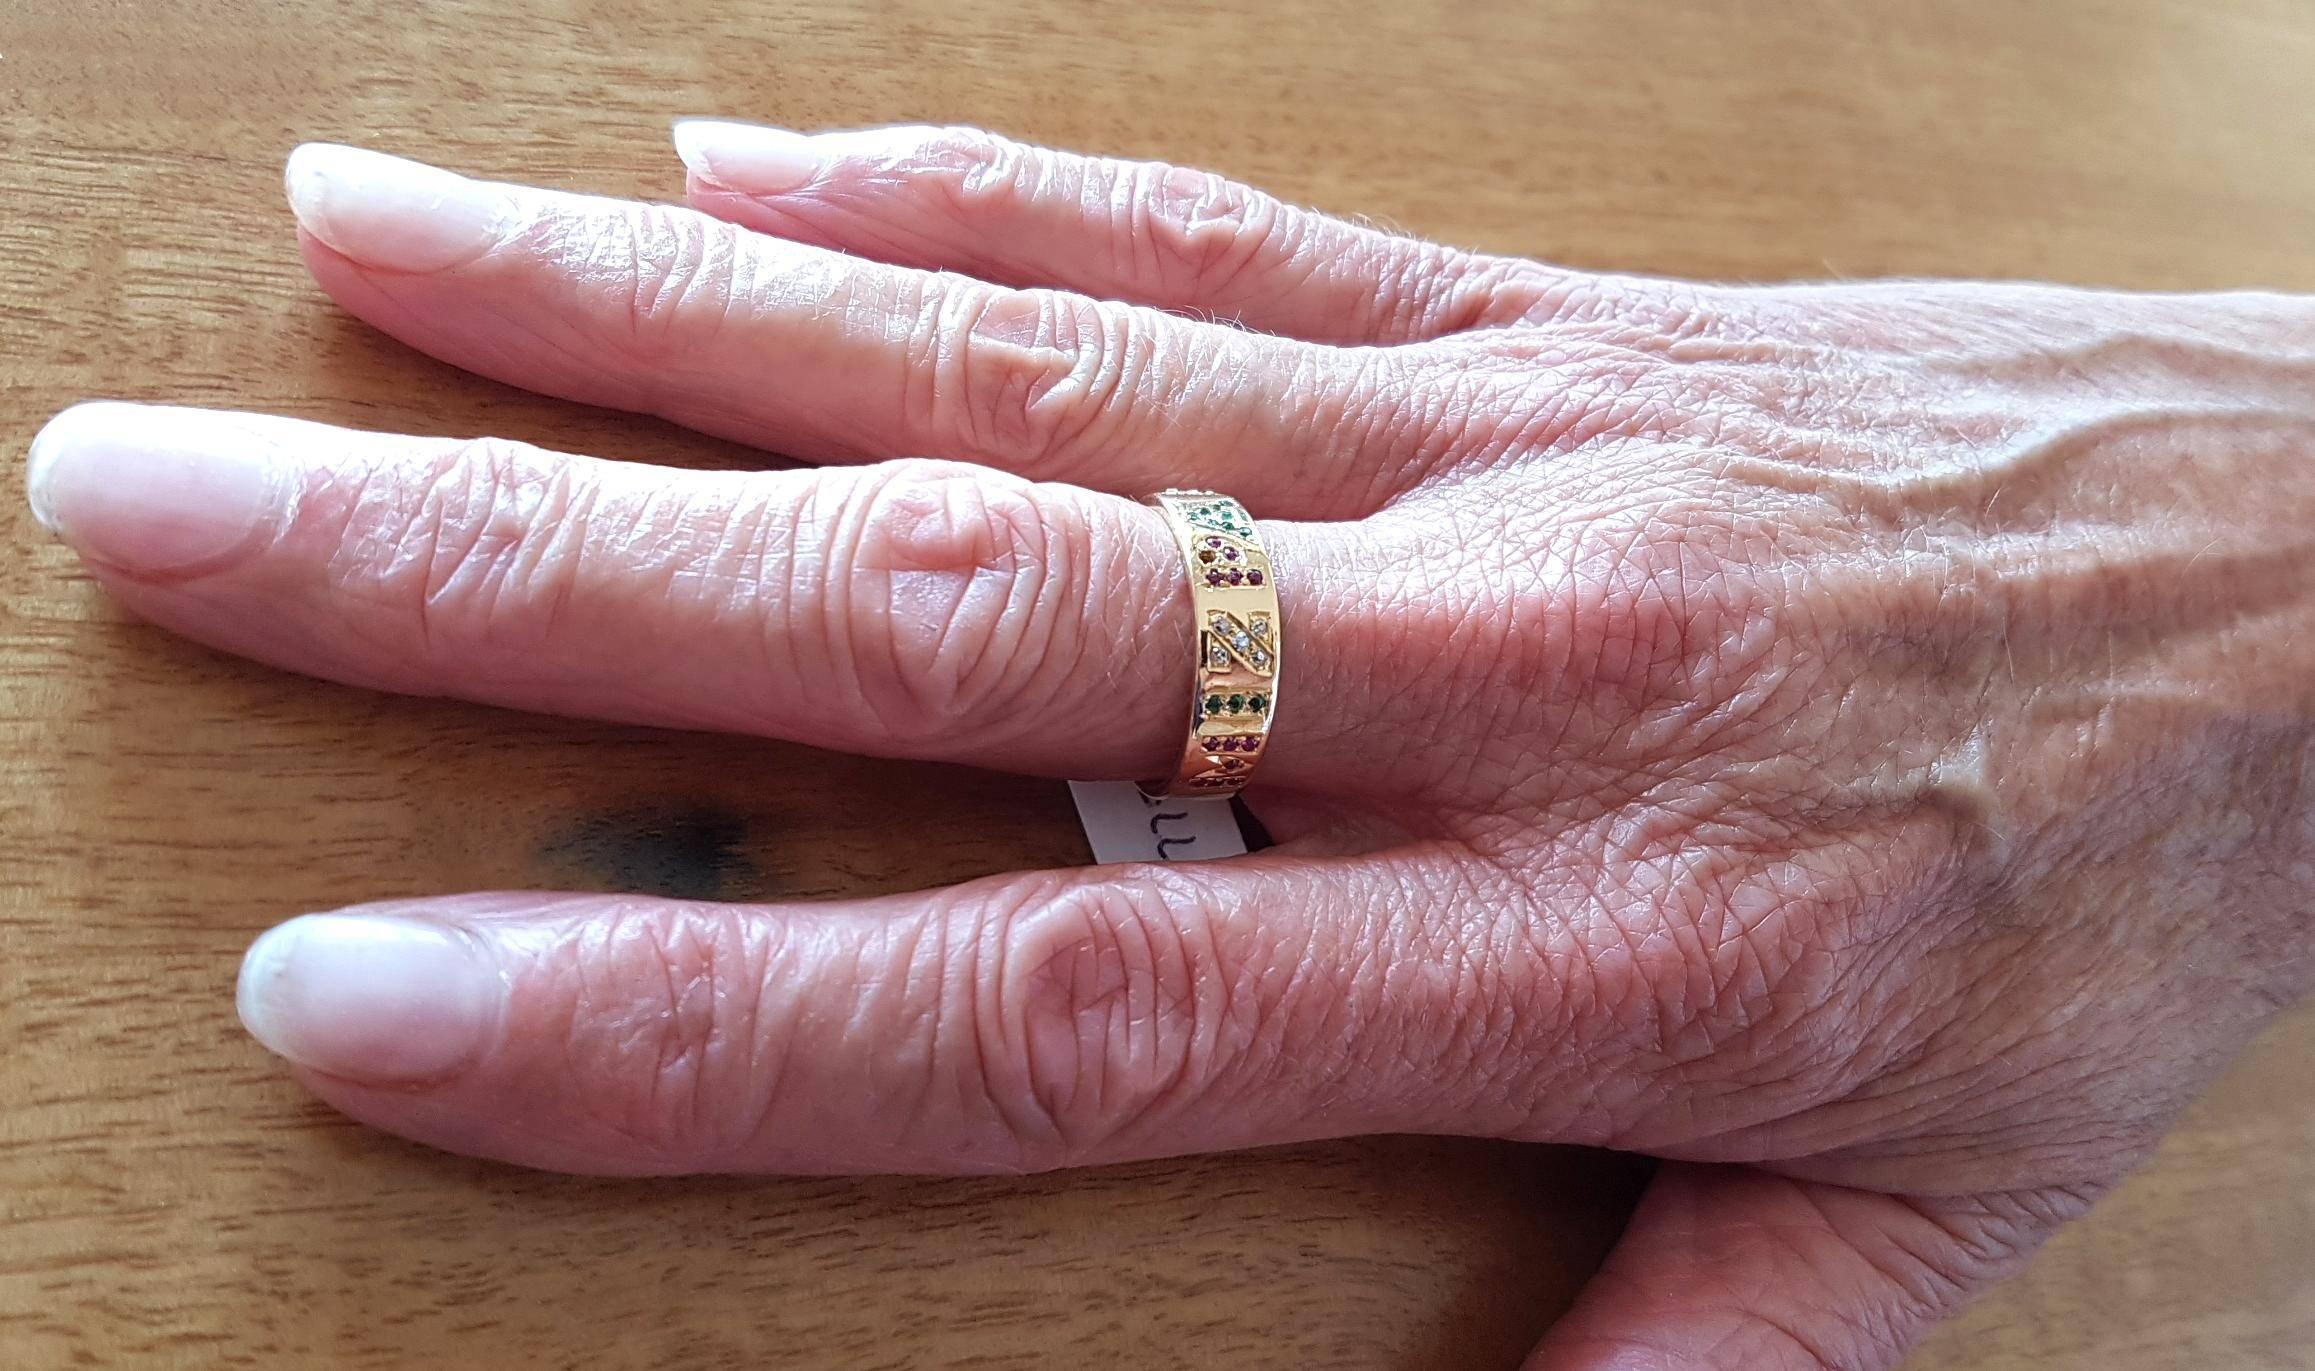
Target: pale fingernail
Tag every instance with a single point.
(392, 213)
(370, 997)
(752, 158)
(152, 488)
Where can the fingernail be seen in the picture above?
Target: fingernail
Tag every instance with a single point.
(752, 158)
(369, 997)
(392, 213)
(151, 488)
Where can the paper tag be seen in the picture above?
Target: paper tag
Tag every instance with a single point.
(1125, 825)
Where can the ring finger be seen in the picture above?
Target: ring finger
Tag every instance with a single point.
(909, 608)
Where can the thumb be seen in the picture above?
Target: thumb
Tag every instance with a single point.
(1728, 1267)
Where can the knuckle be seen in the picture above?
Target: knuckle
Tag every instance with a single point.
(1428, 291)
(1026, 377)
(955, 576)
(662, 1026)
(484, 540)
(1104, 1005)
(1510, 290)
(1744, 954)
(1205, 233)
(1481, 291)
(1688, 631)
(976, 175)
(1659, 603)
(1724, 987)
(1561, 391)
(666, 279)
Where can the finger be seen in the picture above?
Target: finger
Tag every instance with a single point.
(1015, 1023)
(965, 200)
(1726, 1267)
(665, 310)
(914, 608)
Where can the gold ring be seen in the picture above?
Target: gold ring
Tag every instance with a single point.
(1234, 596)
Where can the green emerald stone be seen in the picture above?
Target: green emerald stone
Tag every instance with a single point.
(1237, 703)
(1220, 517)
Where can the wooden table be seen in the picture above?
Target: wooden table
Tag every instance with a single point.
(167, 1197)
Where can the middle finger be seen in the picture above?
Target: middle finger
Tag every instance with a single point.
(664, 310)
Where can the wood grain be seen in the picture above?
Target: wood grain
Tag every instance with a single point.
(167, 1198)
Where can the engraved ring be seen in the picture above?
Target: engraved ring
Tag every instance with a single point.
(1234, 684)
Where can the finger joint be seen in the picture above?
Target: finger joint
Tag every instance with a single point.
(1026, 379)
(1104, 1006)
(953, 589)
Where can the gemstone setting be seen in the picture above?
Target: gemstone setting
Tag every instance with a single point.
(1238, 647)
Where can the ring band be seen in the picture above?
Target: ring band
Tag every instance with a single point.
(1234, 596)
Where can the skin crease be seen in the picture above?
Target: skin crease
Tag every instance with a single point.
(1848, 740)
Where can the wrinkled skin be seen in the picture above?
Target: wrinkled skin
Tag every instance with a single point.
(1850, 740)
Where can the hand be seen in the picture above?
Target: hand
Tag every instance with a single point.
(1849, 740)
